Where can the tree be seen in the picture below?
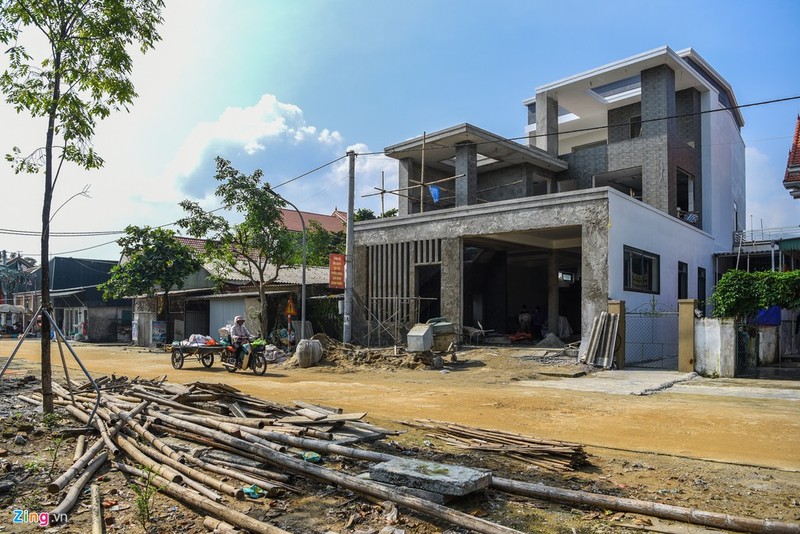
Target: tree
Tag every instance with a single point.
(82, 77)
(364, 214)
(152, 259)
(258, 246)
(320, 244)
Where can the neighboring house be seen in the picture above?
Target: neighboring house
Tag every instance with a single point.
(632, 177)
(78, 306)
(335, 222)
(791, 179)
(201, 307)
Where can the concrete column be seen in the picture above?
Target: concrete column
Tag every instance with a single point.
(547, 123)
(405, 175)
(659, 178)
(466, 164)
(686, 319)
(452, 293)
(361, 270)
(618, 307)
(552, 291)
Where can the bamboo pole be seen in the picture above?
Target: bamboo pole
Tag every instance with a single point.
(77, 489)
(208, 506)
(80, 447)
(654, 509)
(191, 474)
(98, 526)
(366, 487)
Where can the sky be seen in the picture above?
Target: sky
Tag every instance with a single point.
(287, 87)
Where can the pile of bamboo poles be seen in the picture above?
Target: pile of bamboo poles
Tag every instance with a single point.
(545, 454)
(166, 433)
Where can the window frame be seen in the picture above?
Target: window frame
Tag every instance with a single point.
(630, 253)
(683, 280)
(635, 127)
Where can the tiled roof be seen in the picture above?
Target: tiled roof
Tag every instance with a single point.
(287, 275)
(335, 222)
(195, 244)
(793, 163)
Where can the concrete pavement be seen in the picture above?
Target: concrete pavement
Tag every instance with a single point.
(647, 381)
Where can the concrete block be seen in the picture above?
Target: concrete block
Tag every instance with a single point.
(431, 476)
(431, 496)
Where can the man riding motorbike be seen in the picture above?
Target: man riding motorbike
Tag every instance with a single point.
(240, 339)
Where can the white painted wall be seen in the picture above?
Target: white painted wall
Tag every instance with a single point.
(715, 347)
(723, 167)
(638, 225)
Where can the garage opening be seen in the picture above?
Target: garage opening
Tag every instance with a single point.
(504, 272)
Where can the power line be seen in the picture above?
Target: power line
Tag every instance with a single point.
(309, 172)
(607, 126)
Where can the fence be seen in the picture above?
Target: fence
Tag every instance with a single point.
(747, 341)
(651, 337)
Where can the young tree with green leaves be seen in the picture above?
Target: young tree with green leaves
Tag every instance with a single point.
(152, 259)
(258, 246)
(320, 244)
(83, 75)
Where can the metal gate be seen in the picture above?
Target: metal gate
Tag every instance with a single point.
(651, 337)
(747, 341)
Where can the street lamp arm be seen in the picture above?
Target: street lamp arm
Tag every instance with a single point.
(303, 276)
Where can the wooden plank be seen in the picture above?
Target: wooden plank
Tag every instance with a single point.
(311, 414)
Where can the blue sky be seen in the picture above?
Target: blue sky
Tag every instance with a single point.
(288, 86)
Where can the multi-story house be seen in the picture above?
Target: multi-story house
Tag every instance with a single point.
(630, 177)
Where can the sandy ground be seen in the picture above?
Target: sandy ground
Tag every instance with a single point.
(726, 446)
(506, 389)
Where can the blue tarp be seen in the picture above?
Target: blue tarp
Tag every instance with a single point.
(769, 317)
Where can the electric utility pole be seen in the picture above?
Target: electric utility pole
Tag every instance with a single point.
(347, 335)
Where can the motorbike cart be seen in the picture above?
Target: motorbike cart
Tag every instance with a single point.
(257, 359)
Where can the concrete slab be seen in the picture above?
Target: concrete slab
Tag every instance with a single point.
(431, 476)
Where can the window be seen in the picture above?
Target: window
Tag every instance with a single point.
(641, 271)
(683, 280)
(636, 126)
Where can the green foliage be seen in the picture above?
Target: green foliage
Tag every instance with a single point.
(741, 294)
(146, 493)
(152, 258)
(259, 246)
(320, 243)
(84, 75)
(58, 441)
(364, 214)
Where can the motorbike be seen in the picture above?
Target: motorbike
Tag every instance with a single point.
(257, 361)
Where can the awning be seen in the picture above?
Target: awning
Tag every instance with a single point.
(12, 308)
(789, 244)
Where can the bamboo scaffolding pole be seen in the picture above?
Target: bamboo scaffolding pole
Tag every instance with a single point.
(77, 488)
(654, 509)
(190, 473)
(366, 487)
(80, 447)
(98, 526)
(59, 483)
(208, 506)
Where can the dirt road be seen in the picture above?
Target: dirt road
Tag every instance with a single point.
(496, 388)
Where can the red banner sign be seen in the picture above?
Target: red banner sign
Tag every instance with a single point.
(336, 271)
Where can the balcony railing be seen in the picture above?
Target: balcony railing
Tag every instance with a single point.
(765, 235)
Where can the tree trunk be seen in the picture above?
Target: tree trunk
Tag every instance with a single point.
(263, 317)
(49, 184)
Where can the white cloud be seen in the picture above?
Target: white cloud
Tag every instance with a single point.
(248, 127)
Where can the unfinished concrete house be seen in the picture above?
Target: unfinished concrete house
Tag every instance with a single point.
(631, 178)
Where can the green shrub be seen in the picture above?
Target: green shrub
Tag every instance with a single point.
(741, 294)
